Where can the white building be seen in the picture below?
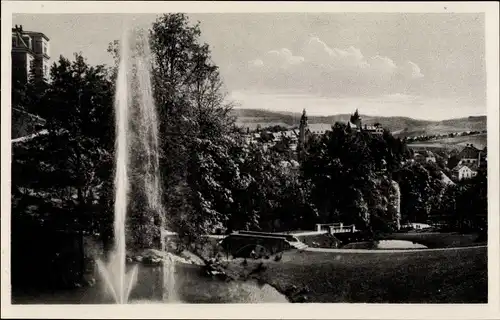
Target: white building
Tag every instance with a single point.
(462, 171)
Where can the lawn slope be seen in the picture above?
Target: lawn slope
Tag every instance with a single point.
(443, 276)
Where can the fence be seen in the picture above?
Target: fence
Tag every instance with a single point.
(336, 228)
(288, 237)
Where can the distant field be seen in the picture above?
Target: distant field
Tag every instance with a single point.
(479, 141)
(447, 276)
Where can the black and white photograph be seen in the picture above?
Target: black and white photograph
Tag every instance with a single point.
(180, 157)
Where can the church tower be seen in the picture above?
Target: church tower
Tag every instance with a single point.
(303, 128)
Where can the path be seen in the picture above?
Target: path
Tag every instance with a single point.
(308, 233)
(385, 250)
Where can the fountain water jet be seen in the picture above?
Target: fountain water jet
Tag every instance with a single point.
(136, 137)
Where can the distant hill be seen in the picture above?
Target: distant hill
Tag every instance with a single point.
(400, 126)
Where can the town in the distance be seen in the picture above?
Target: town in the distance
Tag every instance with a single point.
(460, 151)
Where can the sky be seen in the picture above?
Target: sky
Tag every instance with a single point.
(425, 66)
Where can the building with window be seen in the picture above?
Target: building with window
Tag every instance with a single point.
(471, 160)
(307, 131)
(462, 171)
(469, 155)
(355, 124)
(30, 53)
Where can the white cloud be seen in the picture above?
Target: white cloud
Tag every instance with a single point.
(382, 65)
(319, 53)
(411, 70)
(320, 67)
(281, 58)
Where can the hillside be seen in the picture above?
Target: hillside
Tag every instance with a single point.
(478, 140)
(400, 126)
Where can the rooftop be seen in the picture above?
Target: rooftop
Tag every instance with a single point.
(471, 166)
(445, 179)
(30, 33)
(320, 127)
(469, 152)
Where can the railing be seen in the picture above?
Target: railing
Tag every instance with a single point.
(335, 228)
(343, 229)
(287, 237)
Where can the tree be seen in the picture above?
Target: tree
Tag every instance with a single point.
(190, 97)
(447, 211)
(62, 178)
(77, 106)
(472, 203)
(421, 190)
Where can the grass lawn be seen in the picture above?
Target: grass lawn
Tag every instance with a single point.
(438, 239)
(448, 276)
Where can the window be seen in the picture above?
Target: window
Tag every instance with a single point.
(45, 50)
(45, 71)
(27, 41)
(14, 41)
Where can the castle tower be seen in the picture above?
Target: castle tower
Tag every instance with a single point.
(356, 119)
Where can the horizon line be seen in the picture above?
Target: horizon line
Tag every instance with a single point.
(361, 114)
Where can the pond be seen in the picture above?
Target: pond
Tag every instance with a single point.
(192, 287)
(385, 245)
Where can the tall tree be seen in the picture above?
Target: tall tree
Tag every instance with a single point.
(191, 104)
(421, 190)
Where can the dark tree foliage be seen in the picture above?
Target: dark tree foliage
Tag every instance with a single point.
(464, 206)
(61, 179)
(421, 191)
(194, 117)
(348, 170)
(73, 158)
